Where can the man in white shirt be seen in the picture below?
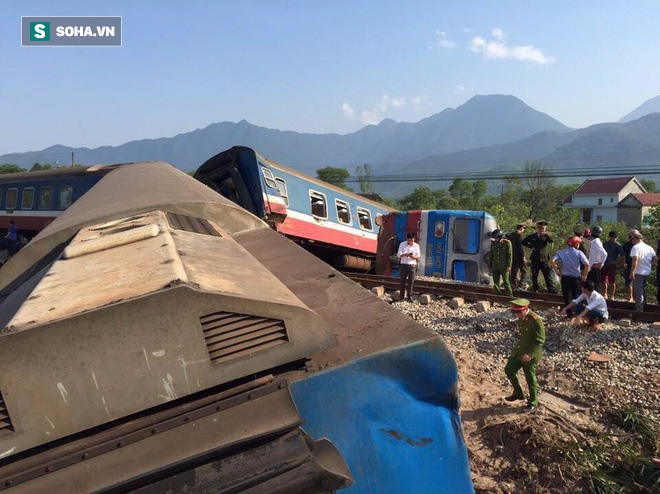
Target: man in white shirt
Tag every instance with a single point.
(408, 254)
(643, 256)
(597, 257)
(590, 307)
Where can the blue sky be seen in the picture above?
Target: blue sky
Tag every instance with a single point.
(319, 66)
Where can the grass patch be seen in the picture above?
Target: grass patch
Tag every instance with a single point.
(620, 464)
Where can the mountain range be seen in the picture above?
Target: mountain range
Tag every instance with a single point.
(485, 133)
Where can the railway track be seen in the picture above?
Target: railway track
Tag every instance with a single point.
(617, 309)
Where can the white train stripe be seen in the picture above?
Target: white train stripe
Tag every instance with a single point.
(17, 213)
(422, 239)
(275, 199)
(331, 224)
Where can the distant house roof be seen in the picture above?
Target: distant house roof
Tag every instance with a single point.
(603, 186)
(648, 199)
(568, 200)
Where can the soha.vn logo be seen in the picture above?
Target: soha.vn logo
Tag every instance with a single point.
(39, 31)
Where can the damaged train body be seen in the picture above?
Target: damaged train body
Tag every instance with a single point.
(156, 337)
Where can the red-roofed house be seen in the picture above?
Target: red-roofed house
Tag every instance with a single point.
(598, 199)
(634, 208)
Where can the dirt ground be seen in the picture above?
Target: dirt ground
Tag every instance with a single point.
(543, 452)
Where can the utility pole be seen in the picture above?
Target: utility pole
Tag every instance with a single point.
(73, 163)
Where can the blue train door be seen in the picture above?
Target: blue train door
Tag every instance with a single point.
(466, 240)
(433, 243)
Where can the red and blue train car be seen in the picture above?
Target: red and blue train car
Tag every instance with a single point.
(335, 224)
(35, 199)
(453, 244)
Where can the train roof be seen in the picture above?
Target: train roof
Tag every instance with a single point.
(147, 259)
(76, 171)
(125, 190)
(230, 155)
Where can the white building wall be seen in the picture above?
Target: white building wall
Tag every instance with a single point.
(608, 200)
(630, 187)
(608, 214)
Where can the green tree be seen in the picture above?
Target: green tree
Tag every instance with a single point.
(461, 190)
(41, 166)
(538, 180)
(11, 168)
(479, 189)
(364, 178)
(649, 184)
(444, 200)
(333, 175)
(420, 198)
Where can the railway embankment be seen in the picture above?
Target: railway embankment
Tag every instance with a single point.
(597, 426)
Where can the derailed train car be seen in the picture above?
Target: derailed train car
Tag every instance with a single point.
(158, 338)
(453, 244)
(335, 224)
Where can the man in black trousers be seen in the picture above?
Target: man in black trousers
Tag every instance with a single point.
(409, 253)
(519, 265)
(540, 243)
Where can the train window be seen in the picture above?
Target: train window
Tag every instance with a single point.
(268, 176)
(343, 211)
(281, 186)
(46, 198)
(27, 200)
(66, 197)
(12, 198)
(1, 191)
(364, 217)
(466, 235)
(319, 205)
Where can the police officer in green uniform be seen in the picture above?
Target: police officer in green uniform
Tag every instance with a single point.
(540, 242)
(501, 259)
(526, 354)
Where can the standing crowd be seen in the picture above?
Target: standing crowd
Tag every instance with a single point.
(585, 269)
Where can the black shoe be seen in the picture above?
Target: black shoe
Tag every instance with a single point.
(529, 408)
(514, 398)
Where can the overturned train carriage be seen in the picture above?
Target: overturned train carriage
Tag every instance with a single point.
(158, 338)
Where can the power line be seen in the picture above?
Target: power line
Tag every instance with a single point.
(601, 171)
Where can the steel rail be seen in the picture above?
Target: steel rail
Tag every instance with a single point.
(616, 309)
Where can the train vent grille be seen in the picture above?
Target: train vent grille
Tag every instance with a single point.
(229, 335)
(191, 224)
(5, 421)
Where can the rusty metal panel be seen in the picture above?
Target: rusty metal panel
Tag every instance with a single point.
(229, 335)
(247, 439)
(191, 224)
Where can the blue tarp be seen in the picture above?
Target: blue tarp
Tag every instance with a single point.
(394, 417)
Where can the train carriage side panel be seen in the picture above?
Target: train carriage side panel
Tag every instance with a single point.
(325, 226)
(34, 202)
(283, 197)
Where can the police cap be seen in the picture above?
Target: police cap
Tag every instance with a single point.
(519, 304)
(541, 223)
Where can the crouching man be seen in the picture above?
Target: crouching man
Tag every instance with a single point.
(526, 354)
(590, 307)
